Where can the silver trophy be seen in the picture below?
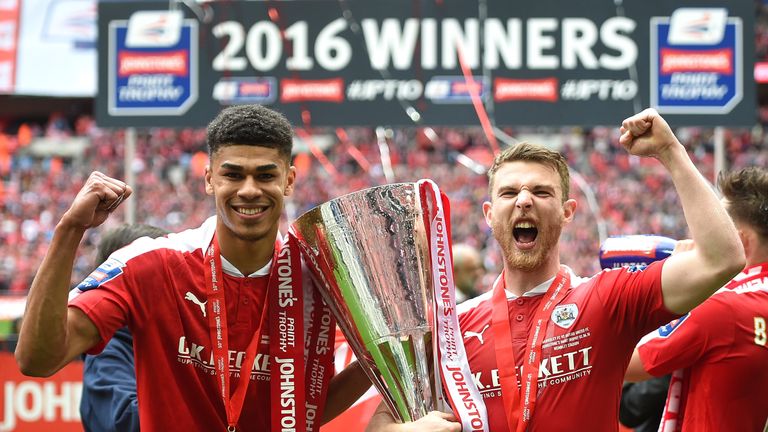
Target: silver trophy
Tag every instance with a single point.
(369, 255)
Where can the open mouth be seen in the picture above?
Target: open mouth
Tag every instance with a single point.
(525, 232)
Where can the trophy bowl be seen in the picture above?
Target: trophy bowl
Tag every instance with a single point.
(369, 256)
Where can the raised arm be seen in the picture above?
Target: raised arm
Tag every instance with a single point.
(688, 278)
(51, 333)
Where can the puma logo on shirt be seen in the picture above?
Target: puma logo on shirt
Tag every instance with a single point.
(191, 297)
(479, 336)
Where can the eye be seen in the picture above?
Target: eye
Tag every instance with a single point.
(266, 176)
(543, 194)
(232, 175)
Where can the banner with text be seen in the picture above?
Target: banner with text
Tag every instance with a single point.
(56, 49)
(356, 62)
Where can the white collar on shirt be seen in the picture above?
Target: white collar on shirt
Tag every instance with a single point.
(233, 271)
(544, 286)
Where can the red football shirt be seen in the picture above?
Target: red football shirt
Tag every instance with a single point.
(721, 344)
(157, 287)
(588, 341)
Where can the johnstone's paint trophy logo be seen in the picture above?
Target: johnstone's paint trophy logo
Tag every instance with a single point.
(153, 60)
(696, 62)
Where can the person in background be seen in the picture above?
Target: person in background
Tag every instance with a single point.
(109, 402)
(642, 403)
(718, 352)
(468, 271)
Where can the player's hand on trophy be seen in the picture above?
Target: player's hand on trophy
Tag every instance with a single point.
(647, 134)
(434, 421)
(99, 197)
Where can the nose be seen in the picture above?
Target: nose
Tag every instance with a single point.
(249, 189)
(524, 199)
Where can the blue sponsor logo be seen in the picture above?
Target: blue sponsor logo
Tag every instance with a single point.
(455, 89)
(107, 271)
(232, 91)
(696, 62)
(152, 65)
(637, 267)
(667, 329)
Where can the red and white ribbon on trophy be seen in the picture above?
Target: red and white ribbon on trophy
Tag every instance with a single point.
(461, 391)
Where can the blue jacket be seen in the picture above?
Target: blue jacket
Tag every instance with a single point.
(109, 401)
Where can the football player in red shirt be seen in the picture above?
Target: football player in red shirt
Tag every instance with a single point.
(718, 351)
(194, 300)
(545, 347)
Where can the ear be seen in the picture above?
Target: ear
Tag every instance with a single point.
(487, 207)
(208, 175)
(290, 180)
(748, 239)
(569, 209)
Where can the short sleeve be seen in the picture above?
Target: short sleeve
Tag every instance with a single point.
(633, 298)
(686, 340)
(107, 295)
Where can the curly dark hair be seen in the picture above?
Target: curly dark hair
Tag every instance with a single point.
(253, 125)
(746, 192)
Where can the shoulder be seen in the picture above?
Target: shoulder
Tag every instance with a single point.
(705, 319)
(643, 275)
(474, 305)
(146, 255)
(576, 280)
(181, 242)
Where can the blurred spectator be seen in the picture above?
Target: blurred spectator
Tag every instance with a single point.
(642, 404)
(468, 272)
(168, 188)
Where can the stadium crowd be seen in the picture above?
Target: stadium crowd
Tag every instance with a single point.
(36, 190)
(169, 164)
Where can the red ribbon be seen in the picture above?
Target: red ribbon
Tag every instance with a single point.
(519, 404)
(293, 406)
(217, 325)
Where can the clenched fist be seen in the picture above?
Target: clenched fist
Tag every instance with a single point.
(99, 197)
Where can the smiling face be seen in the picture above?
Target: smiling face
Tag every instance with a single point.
(249, 184)
(527, 213)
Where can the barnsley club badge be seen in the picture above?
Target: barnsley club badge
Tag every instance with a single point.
(565, 315)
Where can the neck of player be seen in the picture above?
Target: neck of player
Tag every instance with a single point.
(248, 256)
(519, 281)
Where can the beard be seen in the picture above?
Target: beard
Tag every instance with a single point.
(525, 260)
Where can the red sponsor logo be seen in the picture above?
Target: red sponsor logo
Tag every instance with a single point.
(719, 61)
(174, 63)
(331, 90)
(255, 89)
(761, 72)
(650, 253)
(465, 87)
(544, 89)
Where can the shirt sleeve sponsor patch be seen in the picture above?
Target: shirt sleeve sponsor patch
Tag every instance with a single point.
(636, 267)
(108, 270)
(667, 329)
